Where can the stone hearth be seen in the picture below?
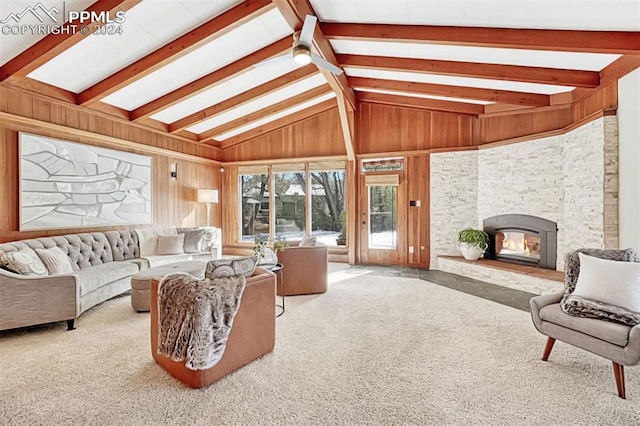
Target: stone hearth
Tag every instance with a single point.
(519, 277)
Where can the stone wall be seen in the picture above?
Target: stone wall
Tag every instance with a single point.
(522, 178)
(453, 200)
(571, 179)
(611, 184)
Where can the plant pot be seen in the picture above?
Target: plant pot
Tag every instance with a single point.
(471, 252)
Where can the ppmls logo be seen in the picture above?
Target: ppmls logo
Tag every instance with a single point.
(51, 21)
(39, 10)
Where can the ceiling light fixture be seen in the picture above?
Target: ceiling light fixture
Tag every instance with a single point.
(301, 54)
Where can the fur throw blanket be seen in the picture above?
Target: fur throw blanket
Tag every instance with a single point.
(195, 317)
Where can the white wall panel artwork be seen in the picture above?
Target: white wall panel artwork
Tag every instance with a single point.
(72, 185)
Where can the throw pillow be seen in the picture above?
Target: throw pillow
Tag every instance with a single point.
(55, 260)
(229, 267)
(572, 263)
(170, 244)
(192, 239)
(606, 289)
(24, 262)
(308, 241)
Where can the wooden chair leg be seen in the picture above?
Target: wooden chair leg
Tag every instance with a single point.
(618, 371)
(547, 348)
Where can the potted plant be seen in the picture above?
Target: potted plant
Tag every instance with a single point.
(280, 244)
(473, 243)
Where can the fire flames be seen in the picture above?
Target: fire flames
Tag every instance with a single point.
(516, 244)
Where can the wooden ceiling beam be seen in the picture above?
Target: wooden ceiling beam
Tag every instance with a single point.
(489, 95)
(54, 44)
(266, 112)
(422, 103)
(612, 72)
(347, 120)
(216, 77)
(561, 77)
(243, 98)
(176, 49)
(614, 42)
(277, 124)
(294, 12)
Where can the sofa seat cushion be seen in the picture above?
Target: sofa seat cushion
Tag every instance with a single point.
(617, 334)
(164, 259)
(90, 279)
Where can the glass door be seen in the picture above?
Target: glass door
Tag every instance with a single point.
(382, 227)
(383, 217)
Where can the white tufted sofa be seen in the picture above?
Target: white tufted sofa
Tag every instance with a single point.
(103, 264)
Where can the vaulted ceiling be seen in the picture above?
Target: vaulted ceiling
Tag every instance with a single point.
(200, 69)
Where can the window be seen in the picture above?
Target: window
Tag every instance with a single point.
(302, 198)
(383, 165)
(290, 199)
(254, 214)
(328, 206)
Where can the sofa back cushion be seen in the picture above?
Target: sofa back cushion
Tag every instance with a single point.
(148, 239)
(83, 250)
(124, 245)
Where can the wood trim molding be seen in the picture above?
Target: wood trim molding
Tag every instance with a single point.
(176, 49)
(41, 127)
(561, 77)
(616, 42)
(286, 160)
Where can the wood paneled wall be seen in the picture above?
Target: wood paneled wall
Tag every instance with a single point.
(174, 201)
(49, 110)
(318, 136)
(418, 221)
(385, 128)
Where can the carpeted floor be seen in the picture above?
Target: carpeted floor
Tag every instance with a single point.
(372, 350)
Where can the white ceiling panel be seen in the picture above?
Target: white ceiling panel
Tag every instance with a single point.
(276, 116)
(621, 15)
(420, 95)
(220, 52)
(260, 103)
(229, 88)
(13, 44)
(486, 55)
(545, 89)
(148, 26)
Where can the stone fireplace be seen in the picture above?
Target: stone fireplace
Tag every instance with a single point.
(569, 179)
(522, 239)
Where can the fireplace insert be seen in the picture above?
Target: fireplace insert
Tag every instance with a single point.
(523, 239)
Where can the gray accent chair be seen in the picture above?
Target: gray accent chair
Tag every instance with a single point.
(614, 341)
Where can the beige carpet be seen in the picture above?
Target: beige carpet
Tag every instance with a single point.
(373, 350)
